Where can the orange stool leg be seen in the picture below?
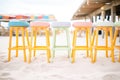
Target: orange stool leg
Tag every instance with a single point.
(112, 45)
(74, 44)
(92, 44)
(95, 53)
(23, 39)
(30, 46)
(48, 45)
(35, 35)
(10, 42)
(106, 38)
(17, 41)
(87, 42)
(119, 56)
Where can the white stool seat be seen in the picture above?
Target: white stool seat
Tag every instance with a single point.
(61, 24)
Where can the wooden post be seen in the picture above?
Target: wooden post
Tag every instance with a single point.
(113, 13)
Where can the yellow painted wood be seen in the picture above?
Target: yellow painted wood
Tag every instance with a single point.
(39, 47)
(17, 41)
(115, 45)
(23, 39)
(17, 47)
(10, 44)
(106, 47)
(87, 47)
(35, 35)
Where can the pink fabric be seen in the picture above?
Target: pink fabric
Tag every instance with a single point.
(39, 24)
(82, 24)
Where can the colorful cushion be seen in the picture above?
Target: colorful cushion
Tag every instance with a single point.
(61, 24)
(45, 17)
(1, 17)
(39, 24)
(6, 17)
(19, 16)
(104, 23)
(18, 23)
(82, 24)
(117, 24)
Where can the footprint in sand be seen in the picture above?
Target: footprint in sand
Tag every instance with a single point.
(5, 74)
(111, 77)
(7, 78)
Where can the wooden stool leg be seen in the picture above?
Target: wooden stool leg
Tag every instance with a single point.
(10, 42)
(23, 39)
(106, 39)
(35, 35)
(48, 55)
(87, 42)
(68, 41)
(30, 46)
(73, 55)
(74, 44)
(119, 56)
(17, 34)
(54, 42)
(95, 53)
(48, 44)
(92, 44)
(112, 45)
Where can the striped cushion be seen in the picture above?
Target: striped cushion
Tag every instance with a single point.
(104, 23)
(18, 23)
(117, 24)
(61, 24)
(82, 24)
(39, 24)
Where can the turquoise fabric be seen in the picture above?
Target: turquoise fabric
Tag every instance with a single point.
(0, 17)
(18, 24)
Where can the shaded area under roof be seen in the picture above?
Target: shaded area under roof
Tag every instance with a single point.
(90, 6)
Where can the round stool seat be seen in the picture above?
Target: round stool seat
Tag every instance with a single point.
(60, 24)
(39, 24)
(18, 23)
(82, 24)
(1, 17)
(104, 24)
(117, 24)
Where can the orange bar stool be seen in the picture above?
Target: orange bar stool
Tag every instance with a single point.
(81, 26)
(18, 27)
(117, 29)
(106, 26)
(36, 27)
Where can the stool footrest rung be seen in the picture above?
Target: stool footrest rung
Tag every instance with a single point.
(81, 48)
(40, 48)
(103, 48)
(63, 48)
(118, 47)
(18, 48)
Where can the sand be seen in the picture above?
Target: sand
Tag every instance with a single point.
(60, 69)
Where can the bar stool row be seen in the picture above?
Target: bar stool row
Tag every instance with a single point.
(91, 38)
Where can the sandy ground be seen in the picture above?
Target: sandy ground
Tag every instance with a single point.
(60, 68)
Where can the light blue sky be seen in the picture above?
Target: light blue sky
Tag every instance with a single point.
(62, 9)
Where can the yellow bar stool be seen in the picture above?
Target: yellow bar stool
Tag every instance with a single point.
(117, 29)
(81, 26)
(37, 26)
(18, 27)
(106, 26)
